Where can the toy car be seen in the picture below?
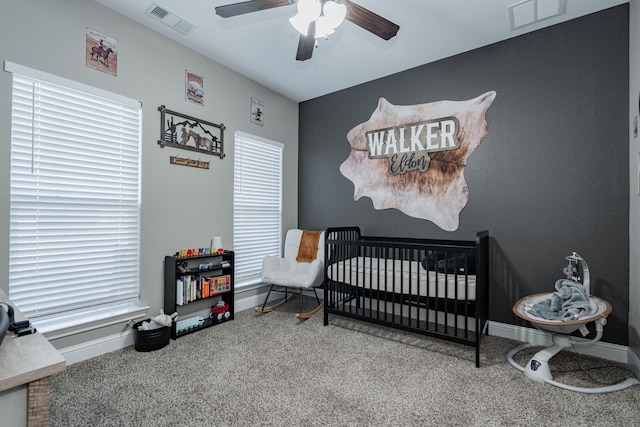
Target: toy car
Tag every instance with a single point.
(205, 265)
(220, 312)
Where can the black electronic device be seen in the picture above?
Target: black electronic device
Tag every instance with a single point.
(20, 328)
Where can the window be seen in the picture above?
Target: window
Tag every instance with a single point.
(74, 203)
(257, 205)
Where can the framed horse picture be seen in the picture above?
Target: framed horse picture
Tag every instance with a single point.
(189, 133)
(101, 52)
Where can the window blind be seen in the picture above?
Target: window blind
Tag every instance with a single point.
(74, 198)
(257, 205)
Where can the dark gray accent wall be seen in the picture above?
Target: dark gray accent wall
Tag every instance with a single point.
(551, 177)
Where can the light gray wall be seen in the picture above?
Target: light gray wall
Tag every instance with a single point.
(551, 177)
(634, 152)
(181, 207)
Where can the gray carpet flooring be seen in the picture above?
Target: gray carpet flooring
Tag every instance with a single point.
(274, 370)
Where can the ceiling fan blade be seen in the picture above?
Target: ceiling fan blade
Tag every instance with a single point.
(306, 44)
(370, 21)
(241, 8)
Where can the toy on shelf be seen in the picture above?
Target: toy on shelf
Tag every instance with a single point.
(193, 252)
(220, 311)
(191, 323)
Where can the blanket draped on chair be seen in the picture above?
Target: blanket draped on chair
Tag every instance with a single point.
(308, 249)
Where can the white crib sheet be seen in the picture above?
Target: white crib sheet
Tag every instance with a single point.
(406, 277)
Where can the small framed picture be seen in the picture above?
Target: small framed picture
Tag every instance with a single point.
(101, 52)
(257, 112)
(194, 88)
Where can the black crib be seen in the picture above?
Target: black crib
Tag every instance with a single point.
(437, 288)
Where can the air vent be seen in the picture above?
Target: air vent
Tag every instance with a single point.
(159, 12)
(530, 11)
(169, 19)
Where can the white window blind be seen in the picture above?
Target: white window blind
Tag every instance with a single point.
(257, 205)
(75, 199)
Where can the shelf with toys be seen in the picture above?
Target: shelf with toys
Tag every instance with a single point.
(198, 284)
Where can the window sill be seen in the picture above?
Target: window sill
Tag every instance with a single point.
(88, 320)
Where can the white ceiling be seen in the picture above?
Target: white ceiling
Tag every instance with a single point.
(262, 45)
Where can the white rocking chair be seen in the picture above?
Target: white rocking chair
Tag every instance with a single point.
(300, 269)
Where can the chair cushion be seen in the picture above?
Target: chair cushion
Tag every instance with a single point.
(294, 279)
(287, 271)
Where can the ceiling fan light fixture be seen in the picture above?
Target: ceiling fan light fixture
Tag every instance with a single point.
(308, 11)
(333, 15)
(300, 23)
(335, 12)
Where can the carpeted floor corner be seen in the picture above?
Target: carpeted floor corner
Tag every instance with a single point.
(275, 370)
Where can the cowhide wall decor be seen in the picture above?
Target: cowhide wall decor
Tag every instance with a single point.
(412, 158)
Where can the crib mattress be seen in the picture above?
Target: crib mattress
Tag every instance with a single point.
(402, 277)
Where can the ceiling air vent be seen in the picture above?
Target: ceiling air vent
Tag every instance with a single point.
(169, 18)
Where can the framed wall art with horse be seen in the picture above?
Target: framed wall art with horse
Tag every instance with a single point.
(189, 133)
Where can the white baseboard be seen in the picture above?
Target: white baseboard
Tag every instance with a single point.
(607, 351)
(604, 350)
(249, 302)
(89, 349)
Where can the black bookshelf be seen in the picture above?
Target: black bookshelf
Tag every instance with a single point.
(191, 284)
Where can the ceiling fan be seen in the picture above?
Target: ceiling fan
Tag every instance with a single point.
(317, 18)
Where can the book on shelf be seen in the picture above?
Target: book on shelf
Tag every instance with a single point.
(185, 290)
(192, 287)
(205, 282)
(179, 291)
